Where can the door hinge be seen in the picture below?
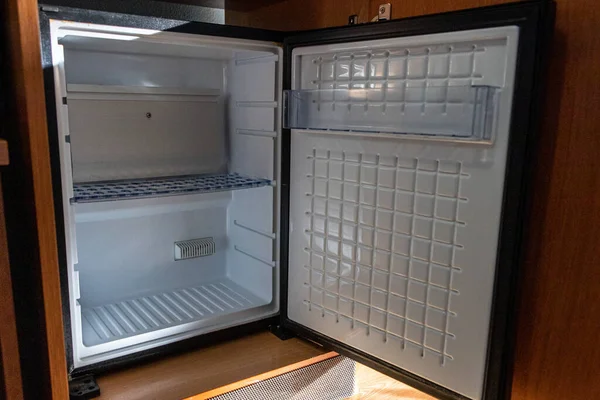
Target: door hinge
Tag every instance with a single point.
(64, 101)
(384, 12)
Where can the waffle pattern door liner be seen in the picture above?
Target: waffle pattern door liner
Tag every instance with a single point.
(394, 239)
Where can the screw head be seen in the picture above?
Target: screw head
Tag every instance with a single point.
(148, 115)
(382, 9)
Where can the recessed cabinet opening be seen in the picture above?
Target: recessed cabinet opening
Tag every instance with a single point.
(167, 140)
(371, 205)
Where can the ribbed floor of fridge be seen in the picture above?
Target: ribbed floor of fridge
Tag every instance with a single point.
(121, 319)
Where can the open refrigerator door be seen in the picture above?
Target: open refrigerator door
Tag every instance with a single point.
(398, 162)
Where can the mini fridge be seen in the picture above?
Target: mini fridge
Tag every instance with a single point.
(361, 187)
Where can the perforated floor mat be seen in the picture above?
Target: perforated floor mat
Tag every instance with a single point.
(327, 380)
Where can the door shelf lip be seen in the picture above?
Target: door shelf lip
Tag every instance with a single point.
(449, 140)
(463, 113)
(129, 189)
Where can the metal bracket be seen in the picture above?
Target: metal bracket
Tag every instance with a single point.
(353, 19)
(83, 388)
(384, 12)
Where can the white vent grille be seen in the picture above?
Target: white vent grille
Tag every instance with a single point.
(194, 248)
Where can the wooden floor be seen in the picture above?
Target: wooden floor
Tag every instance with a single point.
(201, 370)
(205, 369)
(374, 385)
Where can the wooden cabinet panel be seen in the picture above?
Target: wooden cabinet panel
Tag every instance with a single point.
(29, 210)
(404, 9)
(289, 15)
(559, 316)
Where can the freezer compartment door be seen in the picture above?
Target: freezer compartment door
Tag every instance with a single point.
(400, 239)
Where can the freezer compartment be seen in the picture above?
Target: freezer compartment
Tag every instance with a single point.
(461, 112)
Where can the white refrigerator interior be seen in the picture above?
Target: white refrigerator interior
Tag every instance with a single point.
(169, 148)
(397, 177)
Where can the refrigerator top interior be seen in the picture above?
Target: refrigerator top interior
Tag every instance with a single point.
(394, 239)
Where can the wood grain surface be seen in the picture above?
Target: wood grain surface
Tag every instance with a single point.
(372, 385)
(289, 15)
(204, 369)
(4, 160)
(559, 313)
(559, 318)
(30, 218)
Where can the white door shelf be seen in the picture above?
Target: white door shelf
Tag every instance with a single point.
(457, 112)
(159, 187)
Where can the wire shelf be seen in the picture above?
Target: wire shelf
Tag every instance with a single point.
(158, 187)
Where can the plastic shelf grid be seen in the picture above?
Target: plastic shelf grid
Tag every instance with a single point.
(157, 187)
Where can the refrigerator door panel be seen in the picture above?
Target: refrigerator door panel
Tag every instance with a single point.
(398, 236)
